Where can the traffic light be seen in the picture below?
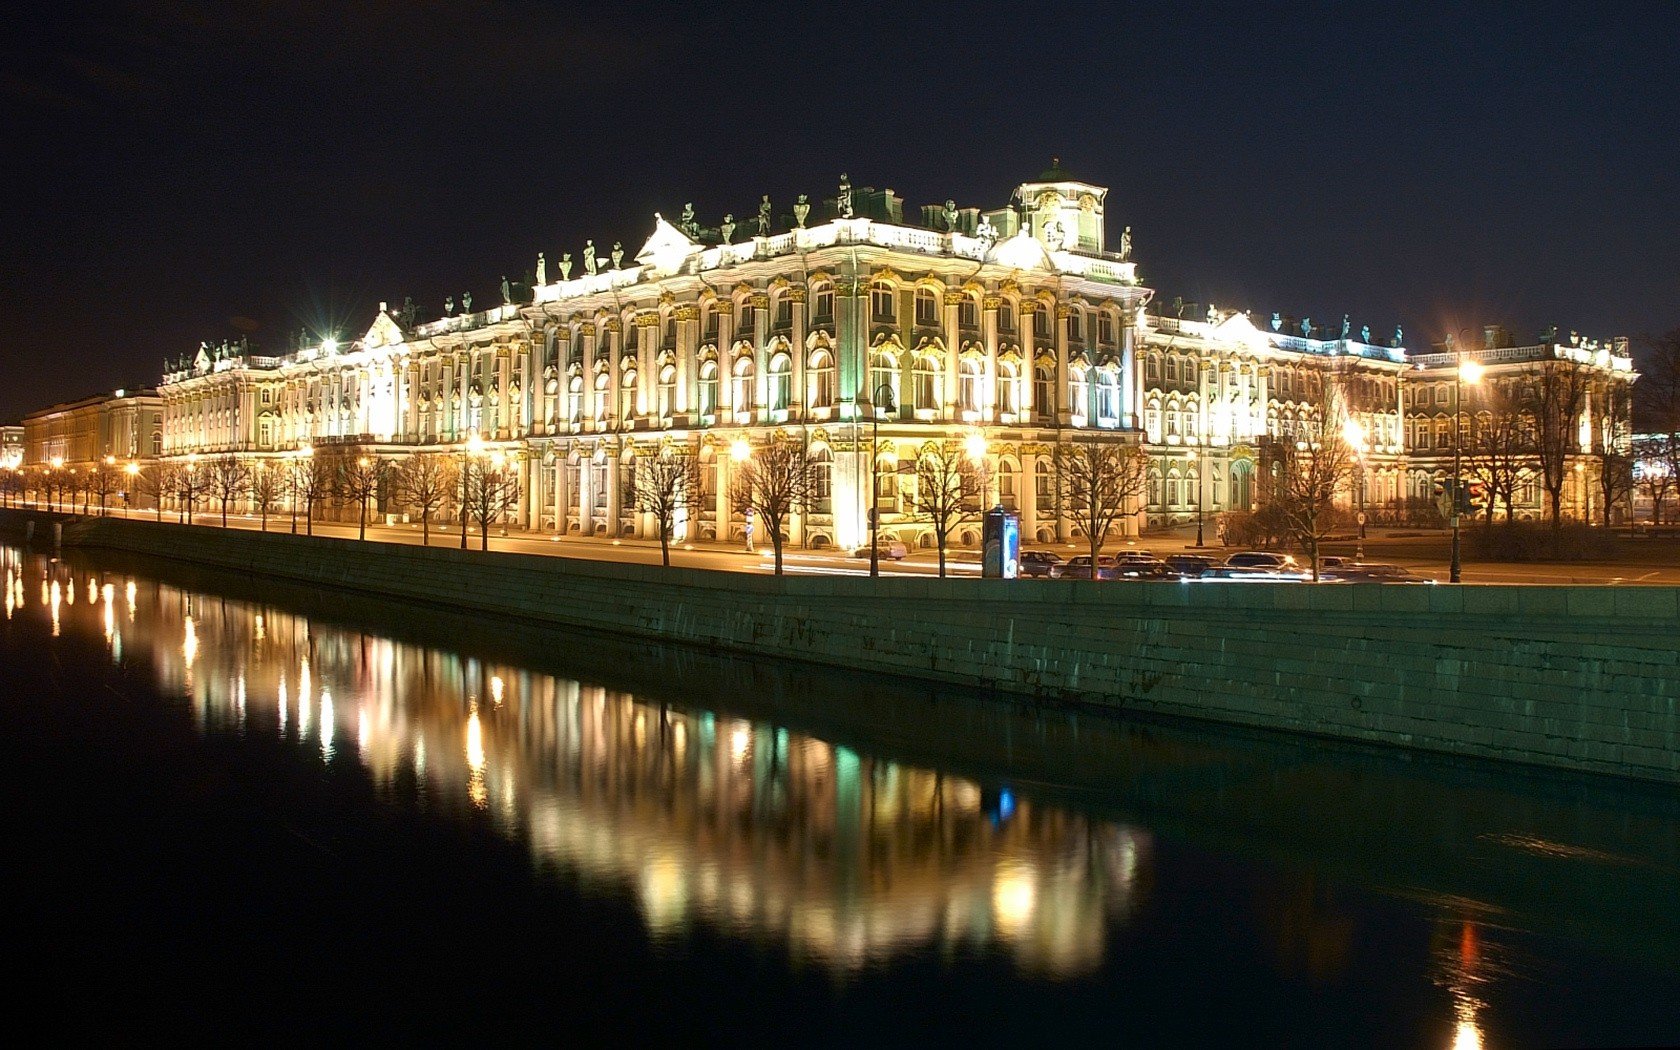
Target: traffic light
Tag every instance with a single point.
(1443, 501)
(1472, 498)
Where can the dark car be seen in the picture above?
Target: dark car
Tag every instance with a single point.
(1141, 569)
(1265, 560)
(1041, 563)
(1371, 572)
(1078, 567)
(1187, 565)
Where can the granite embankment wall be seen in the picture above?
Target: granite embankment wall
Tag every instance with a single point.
(1585, 678)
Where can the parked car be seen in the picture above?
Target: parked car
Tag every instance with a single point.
(1136, 555)
(894, 549)
(1187, 565)
(1078, 567)
(1141, 569)
(1268, 560)
(1370, 572)
(1041, 563)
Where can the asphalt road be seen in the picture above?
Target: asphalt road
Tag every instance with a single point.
(1646, 562)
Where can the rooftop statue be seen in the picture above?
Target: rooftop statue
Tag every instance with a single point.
(1399, 336)
(466, 302)
(542, 269)
(1347, 326)
(951, 215)
(986, 232)
(589, 263)
(1277, 321)
(726, 229)
(1126, 244)
(618, 254)
(689, 227)
(1306, 327)
(507, 292)
(764, 216)
(844, 201)
(449, 306)
(565, 266)
(801, 208)
(1212, 314)
(1365, 334)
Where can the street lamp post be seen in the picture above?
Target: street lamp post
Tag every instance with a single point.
(1465, 372)
(132, 469)
(882, 398)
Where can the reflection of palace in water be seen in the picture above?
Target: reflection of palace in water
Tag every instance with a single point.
(735, 823)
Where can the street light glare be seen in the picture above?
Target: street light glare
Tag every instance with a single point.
(740, 451)
(1471, 372)
(976, 447)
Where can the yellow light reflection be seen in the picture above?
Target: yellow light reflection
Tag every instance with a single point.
(189, 645)
(475, 760)
(326, 725)
(128, 592)
(260, 632)
(57, 599)
(284, 703)
(496, 689)
(303, 700)
(1014, 897)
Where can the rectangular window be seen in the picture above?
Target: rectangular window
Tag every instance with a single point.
(1105, 329)
(927, 309)
(824, 306)
(967, 315)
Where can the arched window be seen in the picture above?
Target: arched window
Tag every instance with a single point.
(1041, 323)
(1154, 487)
(781, 382)
(1041, 388)
(1172, 489)
(886, 480)
(822, 480)
(925, 383)
(1006, 483)
(1076, 326)
(1006, 316)
(881, 302)
(1008, 376)
(883, 372)
(708, 388)
(627, 395)
(1079, 391)
(1044, 484)
(1108, 397)
(667, 391)
(969, 385)
(822, 379)
(743, 388)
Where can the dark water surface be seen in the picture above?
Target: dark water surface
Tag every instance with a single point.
(238, 809)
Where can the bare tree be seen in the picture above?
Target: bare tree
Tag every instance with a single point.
(268, 487)
(360, 475)
(425, 482)
(1613, 448)
(664, 485)
(11, 485)
(227, 478)
(310, 478)
(489, 490)
(950, 486)
(772, 483)
(1497, 445)
(104, 479)
(1308, 469)
(1100, 482)
(1553, 394)
(157, 481)
(191, 484)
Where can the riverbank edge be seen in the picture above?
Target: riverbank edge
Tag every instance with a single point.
(1577, 678)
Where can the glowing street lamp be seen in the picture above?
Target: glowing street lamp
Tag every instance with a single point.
(740, 450)
(1467, 372)
(1354, 434)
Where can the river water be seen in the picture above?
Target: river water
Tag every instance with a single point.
(238, 808)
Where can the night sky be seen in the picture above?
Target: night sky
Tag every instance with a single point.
(189, 172)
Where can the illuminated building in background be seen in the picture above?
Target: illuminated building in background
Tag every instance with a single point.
(1014, 329)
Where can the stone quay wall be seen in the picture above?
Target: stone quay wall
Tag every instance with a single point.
(1584, 678)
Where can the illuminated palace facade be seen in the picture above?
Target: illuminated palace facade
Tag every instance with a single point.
(857, 333)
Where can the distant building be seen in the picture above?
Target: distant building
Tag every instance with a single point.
(11, 447)
(125, 425)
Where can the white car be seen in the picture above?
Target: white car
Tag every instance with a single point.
(894, 549)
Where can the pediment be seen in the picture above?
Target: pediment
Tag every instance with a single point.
(667, 247)
(383, 332)
(1021, 252)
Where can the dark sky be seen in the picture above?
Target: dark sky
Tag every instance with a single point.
(187, 172)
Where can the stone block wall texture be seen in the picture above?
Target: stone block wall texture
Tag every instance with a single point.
(1586, 678)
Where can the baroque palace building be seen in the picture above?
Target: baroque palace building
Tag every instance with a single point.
(864, 337)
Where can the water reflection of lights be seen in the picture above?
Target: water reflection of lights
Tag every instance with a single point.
(745, 825)
(475, 760)
(57, 599)
(326, 725)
